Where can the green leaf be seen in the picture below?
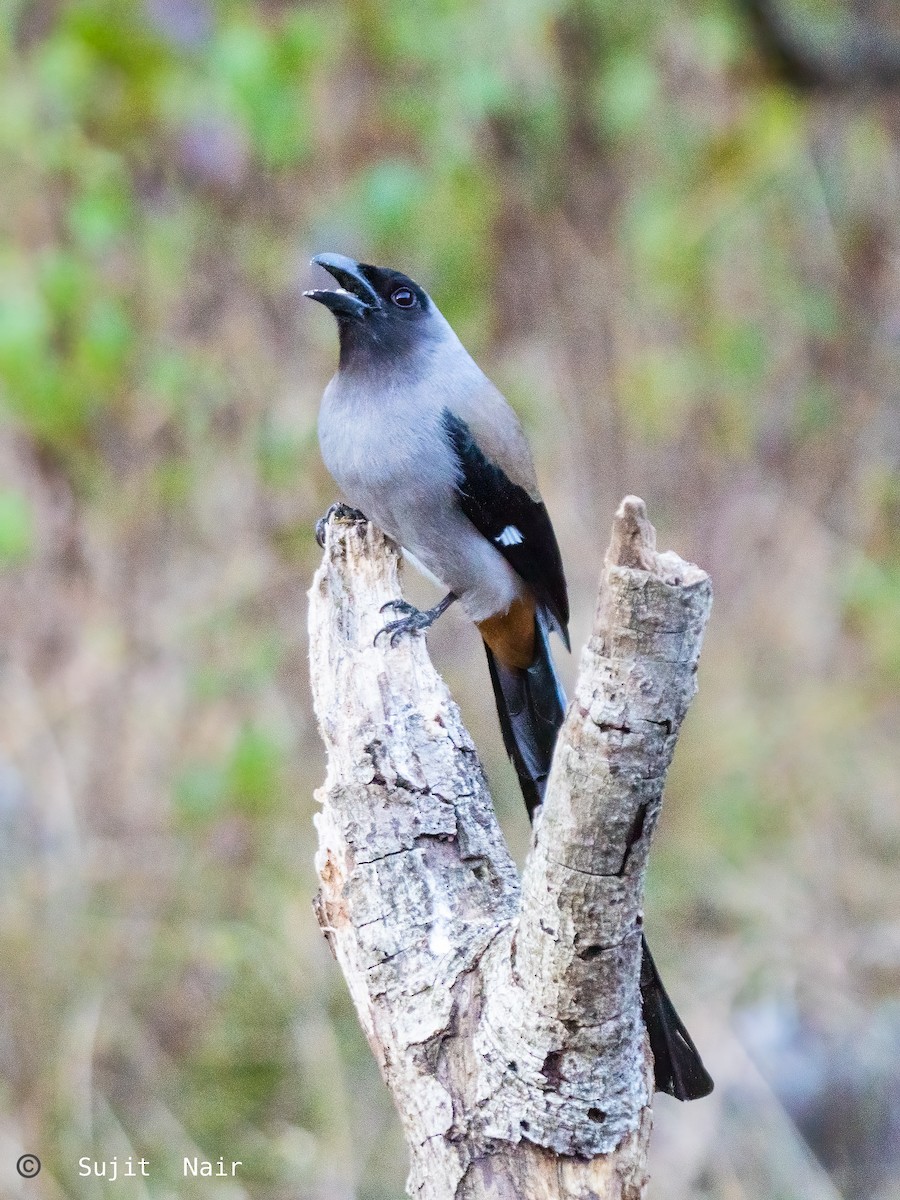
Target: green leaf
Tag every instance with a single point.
(254, 773)
(102, 213)
(199, 792)
(66, 70)
(627, 94)
(390, 193)
(718, 37)
(106, 339)
(741, 351)
(65, 279)
(872, 609)
(309, 38)
(264, 80)
(15, 529)
(24, 322)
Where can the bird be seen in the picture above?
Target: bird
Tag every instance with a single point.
(421, 442)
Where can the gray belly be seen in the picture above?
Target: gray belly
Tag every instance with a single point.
(450, 548)
(407, 487)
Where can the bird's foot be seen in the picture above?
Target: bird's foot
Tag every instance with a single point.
(414, 620)
(344, 511)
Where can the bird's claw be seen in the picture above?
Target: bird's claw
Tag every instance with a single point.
(344, 511)
(415, 621)
(403, 606)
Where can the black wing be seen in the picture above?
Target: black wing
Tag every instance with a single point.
(516, 524)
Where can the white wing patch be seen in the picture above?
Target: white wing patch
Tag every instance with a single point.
(510, 536)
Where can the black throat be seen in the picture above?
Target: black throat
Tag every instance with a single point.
(379, 345)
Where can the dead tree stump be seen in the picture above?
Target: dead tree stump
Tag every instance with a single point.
(505, 1015)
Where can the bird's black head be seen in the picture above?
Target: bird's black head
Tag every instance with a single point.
(380, 312)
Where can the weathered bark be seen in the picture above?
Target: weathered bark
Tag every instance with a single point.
(506, 1019)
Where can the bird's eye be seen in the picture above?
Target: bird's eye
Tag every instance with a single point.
(403, 298)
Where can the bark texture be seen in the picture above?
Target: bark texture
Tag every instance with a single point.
(505, 1016)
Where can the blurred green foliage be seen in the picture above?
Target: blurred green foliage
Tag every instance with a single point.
(165, 165)
(248, 782)
(15, 529)
(107, 106)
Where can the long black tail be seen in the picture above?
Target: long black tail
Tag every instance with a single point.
(531, 705)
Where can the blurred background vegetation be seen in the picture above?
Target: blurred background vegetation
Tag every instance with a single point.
(670, 234)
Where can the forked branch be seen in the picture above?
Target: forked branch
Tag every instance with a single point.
(506, 1018)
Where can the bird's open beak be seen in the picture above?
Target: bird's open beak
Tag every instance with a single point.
(354, 297)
